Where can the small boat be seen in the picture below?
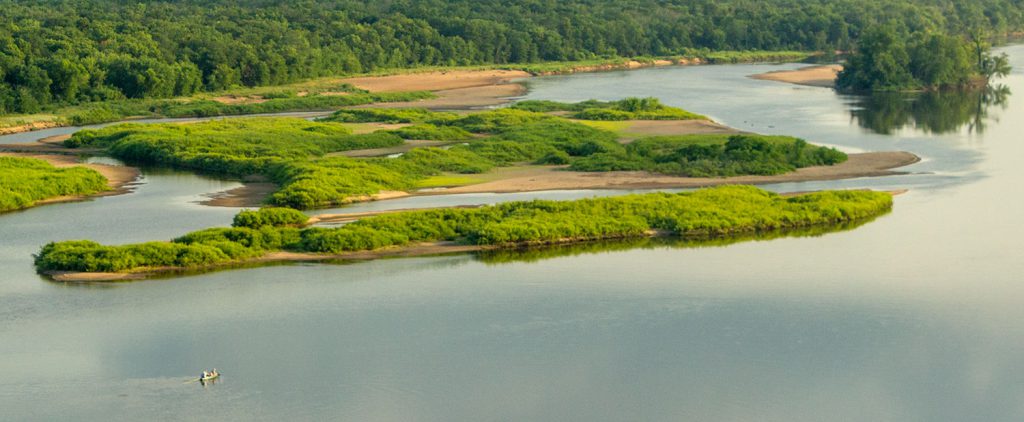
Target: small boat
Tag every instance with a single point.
(209, 376)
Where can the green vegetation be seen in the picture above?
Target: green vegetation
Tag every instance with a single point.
(233, 147)
(626, 109)
(722, 211)
(25, 181)
(297, 154)
(387, 115)
(67, 52)
(713, 156)
(432, 133)
(883, 61)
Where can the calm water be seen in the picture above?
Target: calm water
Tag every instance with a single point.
(915, 316)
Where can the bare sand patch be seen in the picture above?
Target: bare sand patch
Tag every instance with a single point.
(435, 81)
(642, 128)
(462, 98)
(820, 76)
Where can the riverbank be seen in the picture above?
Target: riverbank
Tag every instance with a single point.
(817, 76)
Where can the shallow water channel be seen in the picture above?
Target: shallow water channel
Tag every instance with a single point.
(914, 316)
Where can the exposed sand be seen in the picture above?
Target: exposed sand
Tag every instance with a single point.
(820, 76)
(435, 81)
(461, 98)
(455, 90)
(542, 178)
(642, 128)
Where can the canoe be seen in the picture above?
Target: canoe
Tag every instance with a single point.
(209, 378)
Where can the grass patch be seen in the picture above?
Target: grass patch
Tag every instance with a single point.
(26, 181)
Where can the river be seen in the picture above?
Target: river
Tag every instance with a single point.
(915, 316)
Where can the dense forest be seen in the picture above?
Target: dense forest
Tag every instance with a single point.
(721, 211)
(885, 60)
(75, 51)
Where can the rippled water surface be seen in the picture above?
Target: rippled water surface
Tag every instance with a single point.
(914, 316)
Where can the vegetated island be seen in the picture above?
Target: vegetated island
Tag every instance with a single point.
(28, 180)
(278, 234)
(557, 145)
(889, 60)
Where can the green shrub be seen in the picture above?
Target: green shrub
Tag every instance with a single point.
(273, 217)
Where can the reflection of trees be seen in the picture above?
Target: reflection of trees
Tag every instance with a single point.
(931, 112)
(538, 253)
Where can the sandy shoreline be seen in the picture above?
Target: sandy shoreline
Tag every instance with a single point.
(554, 178)
(819, 76)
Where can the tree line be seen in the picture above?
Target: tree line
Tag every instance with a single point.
(76, 51)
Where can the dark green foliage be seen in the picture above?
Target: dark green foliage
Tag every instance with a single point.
(626, 109)
(25, 181)
(273, 217)
(77, 51)
(722, 211)
(886, 60)
(713, 156)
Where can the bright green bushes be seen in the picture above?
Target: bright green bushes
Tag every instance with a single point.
(273, 217)
(714, 156)
(498, 121)
(25, 181)
(625, 109)
(722, 211)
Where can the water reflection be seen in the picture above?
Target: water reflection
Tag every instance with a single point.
(930, 112)
(540, 253)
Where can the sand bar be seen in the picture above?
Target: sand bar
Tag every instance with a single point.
(541, 178)
(820, 76)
